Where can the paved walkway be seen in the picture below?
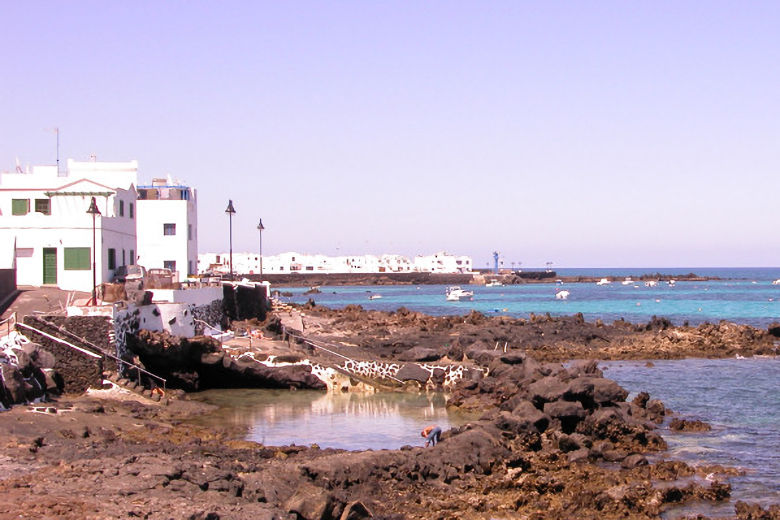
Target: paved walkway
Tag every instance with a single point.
(45, 299)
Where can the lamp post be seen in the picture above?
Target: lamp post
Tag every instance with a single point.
(94, 211)
(230, 211)
(260, 228)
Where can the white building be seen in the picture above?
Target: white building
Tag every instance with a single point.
(43, 222)
(43, 218)
(443, 262)
(168, 227)
(285, 263)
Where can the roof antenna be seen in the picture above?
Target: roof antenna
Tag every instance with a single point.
(57, 131)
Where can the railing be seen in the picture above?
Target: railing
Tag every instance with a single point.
(10, 324)
(120, 362)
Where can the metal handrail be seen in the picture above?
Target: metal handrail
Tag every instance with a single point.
(89, 353)
(59, 340)
(8, 321)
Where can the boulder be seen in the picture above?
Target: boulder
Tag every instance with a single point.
(530, 417)
(355, 510)
(581, 389)
(513, 358)
(655, 410)
(641, 399)
(546, 390)
(413, 372)
(568, 412)
(689, 425)
(585, 367)
(310, 503)
(606, 391)
(580, 455)
(485, 357)
(420, 354)
(774, 329)
(13, 389)
(633, 461)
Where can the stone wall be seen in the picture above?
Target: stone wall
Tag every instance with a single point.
(7, 284)
(244, 302)
(78, 370)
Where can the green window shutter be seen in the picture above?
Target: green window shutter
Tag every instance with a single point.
(20, 206)
(77, 258)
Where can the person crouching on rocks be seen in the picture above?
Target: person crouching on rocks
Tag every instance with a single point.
(432, 435)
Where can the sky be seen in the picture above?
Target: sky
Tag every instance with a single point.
(584, 134)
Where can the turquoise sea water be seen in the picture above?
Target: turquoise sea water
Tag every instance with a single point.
(738, 398)
(742, 296)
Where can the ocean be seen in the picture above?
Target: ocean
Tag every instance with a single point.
(741, 295)
(738, 397)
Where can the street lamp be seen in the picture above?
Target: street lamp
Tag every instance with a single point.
(230, 211)
(94, 211)
(260, 228)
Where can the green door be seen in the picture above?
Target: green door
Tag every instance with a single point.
(50, 265)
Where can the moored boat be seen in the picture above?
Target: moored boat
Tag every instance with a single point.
(456, 294)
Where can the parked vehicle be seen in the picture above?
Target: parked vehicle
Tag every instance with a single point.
(124, 273)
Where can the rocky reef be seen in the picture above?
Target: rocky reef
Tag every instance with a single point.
(554, 441)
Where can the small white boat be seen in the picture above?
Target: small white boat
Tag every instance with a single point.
(671, 283)
(651, 283)
(562, 295)
(776, 282)
(604, 281)
(494, 283)
(374, 296)
(456, 294)
(627, 281)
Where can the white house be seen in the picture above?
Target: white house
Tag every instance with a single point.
(168, 227)
(44, 215)
(43, 212)
(285, 263)
(443, 262)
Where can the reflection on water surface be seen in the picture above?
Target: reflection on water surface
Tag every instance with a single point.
(345, 421)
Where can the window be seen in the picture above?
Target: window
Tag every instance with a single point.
(121, 208)
(169, 229)
(189, 231)
(132, 256)
(189, 267)
(124, 260)
(20, 206)
(170, 264)
(132, 210)
(77, 258)
(43, 206)
(112, 258)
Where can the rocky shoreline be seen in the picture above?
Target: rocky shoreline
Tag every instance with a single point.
(553, 441)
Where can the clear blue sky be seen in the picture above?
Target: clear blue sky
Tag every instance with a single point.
(582, 133)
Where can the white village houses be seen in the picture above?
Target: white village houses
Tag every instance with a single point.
(45, 225)
(285, 263)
